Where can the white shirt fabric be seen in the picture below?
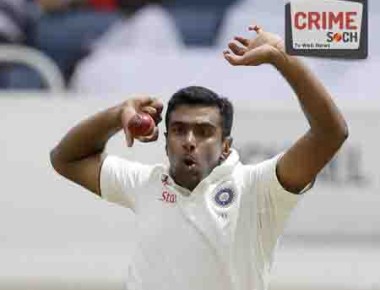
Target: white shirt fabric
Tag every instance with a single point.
(222, 235)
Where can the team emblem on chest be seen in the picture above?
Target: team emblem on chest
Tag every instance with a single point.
(224, 197)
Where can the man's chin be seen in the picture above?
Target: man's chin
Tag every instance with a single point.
(189, 176)
(189, 180)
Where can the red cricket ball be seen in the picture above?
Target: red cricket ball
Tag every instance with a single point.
(141, 124)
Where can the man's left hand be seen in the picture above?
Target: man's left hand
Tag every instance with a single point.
(266, 47)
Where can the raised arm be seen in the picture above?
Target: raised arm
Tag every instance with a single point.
(328, 130)
(78, 156)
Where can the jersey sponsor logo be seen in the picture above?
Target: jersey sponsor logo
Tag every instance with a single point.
(168, 197)
(224, 197)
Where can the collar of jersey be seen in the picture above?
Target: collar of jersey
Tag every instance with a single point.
(217, 174)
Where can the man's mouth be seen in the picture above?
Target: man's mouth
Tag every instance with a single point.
(189, 161)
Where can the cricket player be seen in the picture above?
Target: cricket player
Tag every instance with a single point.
(205, 221)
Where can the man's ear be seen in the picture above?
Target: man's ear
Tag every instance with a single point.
(227, 144)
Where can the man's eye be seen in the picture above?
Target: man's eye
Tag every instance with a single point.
(178, 130)
(205, 132)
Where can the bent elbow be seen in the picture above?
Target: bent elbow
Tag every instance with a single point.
(344, 132)
(340, 136)
(334, 137)
(54, 161)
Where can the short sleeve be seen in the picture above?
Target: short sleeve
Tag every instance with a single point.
(272, 196)
(119, 179)
(274, 204)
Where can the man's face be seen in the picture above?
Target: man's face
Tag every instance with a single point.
(194, 143)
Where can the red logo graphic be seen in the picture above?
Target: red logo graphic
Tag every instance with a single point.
(325, 20)
(337, 37)
(168, 197)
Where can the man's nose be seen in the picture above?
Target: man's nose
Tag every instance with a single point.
(190, 141)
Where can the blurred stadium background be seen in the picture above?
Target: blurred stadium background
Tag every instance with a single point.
(61, 61)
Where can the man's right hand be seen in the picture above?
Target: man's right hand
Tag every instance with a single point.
(79, 155)
(143, 104)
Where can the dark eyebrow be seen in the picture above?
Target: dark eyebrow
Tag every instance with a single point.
(179, 123)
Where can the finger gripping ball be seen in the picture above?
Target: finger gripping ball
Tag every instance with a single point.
(141, 125)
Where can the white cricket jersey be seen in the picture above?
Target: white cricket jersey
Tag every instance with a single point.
(220, 236)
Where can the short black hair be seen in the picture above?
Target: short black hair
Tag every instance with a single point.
(196, 95)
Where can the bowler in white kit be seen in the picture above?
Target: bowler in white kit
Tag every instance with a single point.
(205, 221)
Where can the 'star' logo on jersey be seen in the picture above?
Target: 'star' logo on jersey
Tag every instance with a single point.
(168, 197)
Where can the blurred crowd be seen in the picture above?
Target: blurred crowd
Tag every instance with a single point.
(66, 31)
(73, 44)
